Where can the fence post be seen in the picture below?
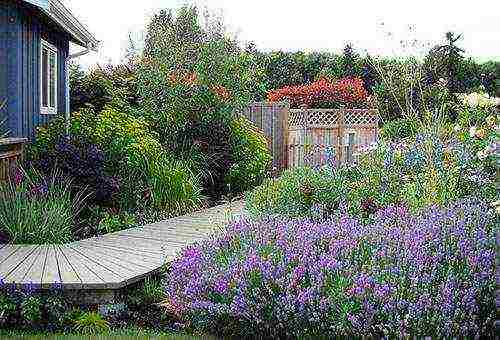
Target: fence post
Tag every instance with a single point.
(285, 128)
(304, 157)
(341, 136)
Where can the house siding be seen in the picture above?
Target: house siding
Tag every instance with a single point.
(24, 30)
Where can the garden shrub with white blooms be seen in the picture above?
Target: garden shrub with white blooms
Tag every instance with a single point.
(430, 274)
(478, 126)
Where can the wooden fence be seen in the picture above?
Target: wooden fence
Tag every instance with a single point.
(272, 119)
(320, 136)
(313, 136)
(11, 153)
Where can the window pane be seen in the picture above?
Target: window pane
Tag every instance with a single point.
(45, 76)
(52, 84)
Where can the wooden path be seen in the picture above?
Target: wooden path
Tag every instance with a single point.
(111, 261)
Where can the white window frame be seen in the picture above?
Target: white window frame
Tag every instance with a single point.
(48, 110)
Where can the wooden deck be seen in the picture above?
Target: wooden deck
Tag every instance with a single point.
(111, 261)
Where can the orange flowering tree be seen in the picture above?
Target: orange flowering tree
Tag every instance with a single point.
(324, 94)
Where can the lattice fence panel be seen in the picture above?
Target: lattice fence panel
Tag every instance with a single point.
(320, 136)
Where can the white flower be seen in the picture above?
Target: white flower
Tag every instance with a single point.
(457, 128)
(491, 148)
(481, 155)
(472, 131)
(473, 100)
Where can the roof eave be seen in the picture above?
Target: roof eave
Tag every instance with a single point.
(66, 20)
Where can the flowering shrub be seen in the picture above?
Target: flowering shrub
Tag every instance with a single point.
(478, 126)
(429, 274)
(324, 94)
(421, 172)
(30, 309)
(185, 105)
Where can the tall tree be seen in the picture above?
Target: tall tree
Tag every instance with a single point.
(444, 61)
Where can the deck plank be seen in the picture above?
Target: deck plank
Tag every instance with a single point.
(178, 242)
(123, 257)
(93, 275)
(148, 248)
(126, 272)
(111, 261)
(35, 273)
(132, 241)
(16, 259)
(162, 235)
(7, 251)
(18, 275)
(51, 270)
(121, 269)
(68, 274)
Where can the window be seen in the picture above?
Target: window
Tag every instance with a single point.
(48, 78)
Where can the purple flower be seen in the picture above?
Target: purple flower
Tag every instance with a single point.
(18, 177)
(221, 286)
(401, 274)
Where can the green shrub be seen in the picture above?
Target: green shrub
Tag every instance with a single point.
(38, 210)
(297, 193)
(31, 310)
(145, 173)
(102, 86)
(251, 153)
(174, 188)
(110, 223)
(208, 154)
(399, 129)
(149, 291)
(91, 323)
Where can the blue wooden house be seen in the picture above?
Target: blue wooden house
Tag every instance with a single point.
(35, 37)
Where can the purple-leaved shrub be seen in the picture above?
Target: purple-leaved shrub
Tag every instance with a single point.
(426, 274)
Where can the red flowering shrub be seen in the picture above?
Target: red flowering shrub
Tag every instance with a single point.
(324, 94)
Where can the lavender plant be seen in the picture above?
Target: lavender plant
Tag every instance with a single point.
(430, 274)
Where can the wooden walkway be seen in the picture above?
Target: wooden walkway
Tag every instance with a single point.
(111, 261)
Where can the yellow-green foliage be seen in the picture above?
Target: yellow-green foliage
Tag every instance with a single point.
(91, 323)
(122, 134)
(118, 134)
(252, 155)
(130, 147)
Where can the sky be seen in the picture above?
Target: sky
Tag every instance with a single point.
(374, 26)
